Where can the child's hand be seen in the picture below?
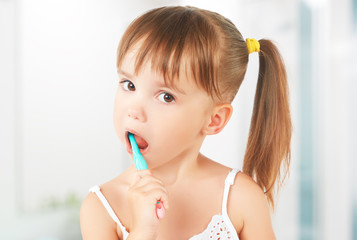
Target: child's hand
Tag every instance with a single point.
(143, 195)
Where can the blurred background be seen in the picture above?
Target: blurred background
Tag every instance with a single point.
(57, 85)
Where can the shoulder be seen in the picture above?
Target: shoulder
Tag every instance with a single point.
(96, 223)
(248, 209)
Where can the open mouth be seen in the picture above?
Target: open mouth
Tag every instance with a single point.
(141, 142)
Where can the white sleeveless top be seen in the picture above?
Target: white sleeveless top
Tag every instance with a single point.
(219, 228)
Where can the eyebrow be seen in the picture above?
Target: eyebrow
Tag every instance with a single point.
(119, 71)
(173, 87)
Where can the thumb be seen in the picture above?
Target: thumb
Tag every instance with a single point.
(143, 173)
(140, 174)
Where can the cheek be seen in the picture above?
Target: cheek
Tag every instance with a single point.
(118, 114)
(182, 127)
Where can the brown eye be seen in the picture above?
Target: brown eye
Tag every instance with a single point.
(128, 86)
(166, 97)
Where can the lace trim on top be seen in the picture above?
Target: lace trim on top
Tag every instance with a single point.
(219, 228)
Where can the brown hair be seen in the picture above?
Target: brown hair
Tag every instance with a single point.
(211, 48)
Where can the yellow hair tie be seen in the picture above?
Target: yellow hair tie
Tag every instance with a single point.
(252, 45)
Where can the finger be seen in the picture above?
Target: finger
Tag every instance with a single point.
(160, 195)
(154, 190)
(151, 187)
(139, 175)
(146, 186)
(147, 180)
(165, 200)
(143, 173)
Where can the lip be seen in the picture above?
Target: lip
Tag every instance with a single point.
(128, 145)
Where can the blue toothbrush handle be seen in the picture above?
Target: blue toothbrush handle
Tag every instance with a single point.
(139, 160)
(140, 164)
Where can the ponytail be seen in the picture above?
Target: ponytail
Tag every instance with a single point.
(270, 129)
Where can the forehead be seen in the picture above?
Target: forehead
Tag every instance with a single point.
(132, 66)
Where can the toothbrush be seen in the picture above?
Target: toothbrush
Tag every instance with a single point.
(140, 164)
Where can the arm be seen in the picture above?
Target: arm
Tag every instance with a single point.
(249, 210)
(142, 195)
(95, 221)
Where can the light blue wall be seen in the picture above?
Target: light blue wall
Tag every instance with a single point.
(306, 166)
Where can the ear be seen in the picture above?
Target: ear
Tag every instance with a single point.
(219, 118)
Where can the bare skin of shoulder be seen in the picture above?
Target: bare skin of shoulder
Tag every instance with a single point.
(193, 202)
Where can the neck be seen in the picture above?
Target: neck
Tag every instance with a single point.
(178, 170)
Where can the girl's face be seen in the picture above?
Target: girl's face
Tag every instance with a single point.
(168, 123)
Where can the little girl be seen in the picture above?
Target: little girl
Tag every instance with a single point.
(179, 69)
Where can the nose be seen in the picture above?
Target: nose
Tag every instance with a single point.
(137, 112)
